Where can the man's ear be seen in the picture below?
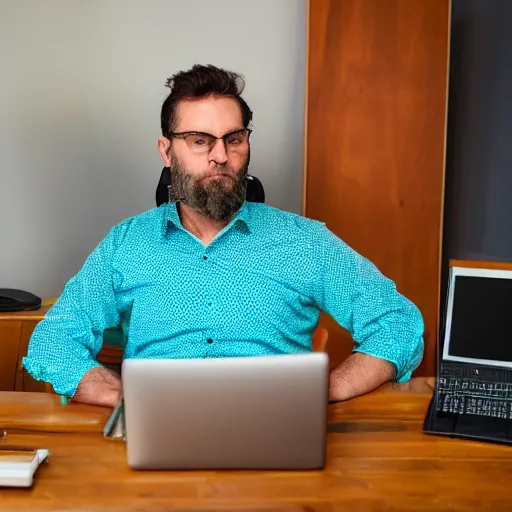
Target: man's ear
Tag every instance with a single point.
(164, 148)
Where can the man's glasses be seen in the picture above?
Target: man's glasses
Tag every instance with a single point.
(201, 143)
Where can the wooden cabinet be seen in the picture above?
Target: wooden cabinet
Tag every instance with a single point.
(15, 332)
(377, 76)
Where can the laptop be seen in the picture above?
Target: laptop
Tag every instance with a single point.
(267, 412)
(473, 395)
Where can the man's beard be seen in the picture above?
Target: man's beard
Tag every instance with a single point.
(213, 198)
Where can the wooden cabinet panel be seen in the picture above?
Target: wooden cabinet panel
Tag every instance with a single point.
(10, 332)
(375, 141)
(24, 381)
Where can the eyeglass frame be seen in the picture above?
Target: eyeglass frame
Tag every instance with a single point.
(182, 135)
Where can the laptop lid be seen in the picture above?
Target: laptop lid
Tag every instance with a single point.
(478, 323)
(240, 413)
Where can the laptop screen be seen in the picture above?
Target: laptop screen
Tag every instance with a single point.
(479, 317)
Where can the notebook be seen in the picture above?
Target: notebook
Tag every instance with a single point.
(473, 394)
(19, 465)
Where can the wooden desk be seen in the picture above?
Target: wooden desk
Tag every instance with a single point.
(378, 460)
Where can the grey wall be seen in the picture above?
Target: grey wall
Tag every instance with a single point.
(80, 94)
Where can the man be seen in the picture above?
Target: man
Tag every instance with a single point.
(211, 275)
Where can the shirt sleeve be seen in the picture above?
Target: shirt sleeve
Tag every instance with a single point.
(382, 322)
(64, 345)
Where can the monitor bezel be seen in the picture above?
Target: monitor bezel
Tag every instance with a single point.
(469, 272)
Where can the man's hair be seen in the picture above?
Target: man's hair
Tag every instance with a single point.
(201, 82)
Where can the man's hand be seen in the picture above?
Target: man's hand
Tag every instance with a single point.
(99, 386)
(359, 374)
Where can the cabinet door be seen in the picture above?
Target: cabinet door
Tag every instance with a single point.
(24, 382)
(375, 141)
(10, 333)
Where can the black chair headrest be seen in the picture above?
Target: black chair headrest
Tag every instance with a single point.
(254, 193)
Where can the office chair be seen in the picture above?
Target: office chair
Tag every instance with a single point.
(254, 192)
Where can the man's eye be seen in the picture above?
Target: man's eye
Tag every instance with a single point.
(234, 140)
(200, 142)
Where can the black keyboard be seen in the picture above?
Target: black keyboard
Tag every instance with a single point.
(480, 391)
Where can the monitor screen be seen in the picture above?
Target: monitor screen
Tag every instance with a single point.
(479, 317)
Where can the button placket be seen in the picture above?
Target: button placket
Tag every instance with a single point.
(208, 305)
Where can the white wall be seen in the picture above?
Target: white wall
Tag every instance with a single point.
(81, 86)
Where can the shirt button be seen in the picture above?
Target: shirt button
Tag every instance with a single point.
(209, 340)
(205, 257)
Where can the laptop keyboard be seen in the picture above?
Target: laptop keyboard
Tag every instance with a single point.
(480, 391)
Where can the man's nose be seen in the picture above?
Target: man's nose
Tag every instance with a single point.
(218, 152)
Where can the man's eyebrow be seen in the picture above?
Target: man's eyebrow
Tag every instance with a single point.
(199, 132)
(234, 131)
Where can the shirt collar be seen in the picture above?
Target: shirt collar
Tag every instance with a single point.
(172, 218)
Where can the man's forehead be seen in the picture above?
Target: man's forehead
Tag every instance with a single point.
(215, 115)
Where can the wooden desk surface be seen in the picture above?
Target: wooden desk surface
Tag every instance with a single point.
(37, 314)
(378, 460)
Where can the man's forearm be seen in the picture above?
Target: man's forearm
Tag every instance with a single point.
(99, 386)
(359, 374)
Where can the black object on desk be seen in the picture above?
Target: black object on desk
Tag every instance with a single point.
(18, 300)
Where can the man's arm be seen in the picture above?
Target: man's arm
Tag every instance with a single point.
(359, 374)
(99, 387)
(386, 327)
(64, 345)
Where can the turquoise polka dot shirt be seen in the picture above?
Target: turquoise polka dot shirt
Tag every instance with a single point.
(257, 289)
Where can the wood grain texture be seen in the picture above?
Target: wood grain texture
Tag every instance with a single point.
(10, 333)
(378, 460)
(375, 143)
(33, 411)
